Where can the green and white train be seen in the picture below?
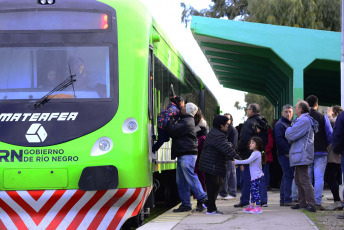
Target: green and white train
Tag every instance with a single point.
(81, 83)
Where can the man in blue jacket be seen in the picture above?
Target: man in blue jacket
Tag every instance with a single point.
(283, 147)
(301, 154)
(338, 143)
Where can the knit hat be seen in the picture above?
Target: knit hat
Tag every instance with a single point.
(191, 109)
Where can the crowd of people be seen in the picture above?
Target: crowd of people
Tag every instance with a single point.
(207, 161)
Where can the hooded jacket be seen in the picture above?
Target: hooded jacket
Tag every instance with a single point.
(216, 152)
(301, 136)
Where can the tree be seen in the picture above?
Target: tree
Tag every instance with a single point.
(266, 108)
(312, 14)
(218, 9)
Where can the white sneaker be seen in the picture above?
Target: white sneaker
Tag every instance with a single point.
(229, 197)
(219, 197)
(215, 213)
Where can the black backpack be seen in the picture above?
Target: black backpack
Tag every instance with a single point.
(262, 125)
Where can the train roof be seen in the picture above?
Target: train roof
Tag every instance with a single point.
(180, 56)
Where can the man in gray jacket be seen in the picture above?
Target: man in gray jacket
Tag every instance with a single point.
(301, 154)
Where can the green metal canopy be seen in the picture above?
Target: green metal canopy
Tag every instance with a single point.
(282, 63)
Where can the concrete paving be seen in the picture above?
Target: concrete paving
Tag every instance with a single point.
(234, 218)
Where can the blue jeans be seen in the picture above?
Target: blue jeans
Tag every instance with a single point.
(318, 169)
(294, 192)
(230, 181)
(245, 185)
(187, 179)
(287, 180)
(266, 171)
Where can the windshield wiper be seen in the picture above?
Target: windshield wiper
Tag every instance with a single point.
(69, 81)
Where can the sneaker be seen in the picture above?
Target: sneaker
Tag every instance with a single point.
(290, 204)
(297, 206)
(319, 207)
(182, 208)
(219, 197)
(256, 210)
(200, 207)
(154, 137)
(239, 205)
(310, 208)
(264, 204)
(204, 204)
(229, 197)
(248, 209)
(338, 205)
(340, 216)
(215, 213)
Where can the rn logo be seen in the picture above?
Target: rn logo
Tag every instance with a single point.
(36, 133)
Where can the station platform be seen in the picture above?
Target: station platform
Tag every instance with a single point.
(273, 216)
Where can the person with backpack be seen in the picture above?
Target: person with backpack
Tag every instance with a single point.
(255, 125)
(171, 112)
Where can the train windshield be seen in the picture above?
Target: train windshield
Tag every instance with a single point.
(32, 72)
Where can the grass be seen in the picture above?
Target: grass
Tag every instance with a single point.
(325, 220)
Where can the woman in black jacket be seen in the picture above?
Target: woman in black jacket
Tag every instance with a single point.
(216, 152)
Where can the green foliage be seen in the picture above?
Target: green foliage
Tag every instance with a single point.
(218, 9)
(266, 108)
(312, 14)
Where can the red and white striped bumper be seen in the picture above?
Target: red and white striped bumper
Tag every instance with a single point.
(70, 209)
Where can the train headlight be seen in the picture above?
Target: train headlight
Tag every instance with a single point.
(130, 125)
(43, 2)
(102, 146)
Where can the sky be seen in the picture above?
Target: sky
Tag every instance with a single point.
(168, 15)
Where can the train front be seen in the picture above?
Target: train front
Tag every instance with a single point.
(64, 144)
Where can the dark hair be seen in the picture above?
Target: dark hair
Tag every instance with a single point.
(176, 100)
(312, 100)
(230, 116)
(198, 116)
(337, 110)
(304, 107)
(287, 106)
(260, 147)
(255, 107)
(220, 120)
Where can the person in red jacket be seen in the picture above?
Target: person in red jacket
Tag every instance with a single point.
(269, 159)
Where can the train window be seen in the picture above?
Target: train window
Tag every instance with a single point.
(31, 72)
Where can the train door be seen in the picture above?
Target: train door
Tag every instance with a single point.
(151, 105)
